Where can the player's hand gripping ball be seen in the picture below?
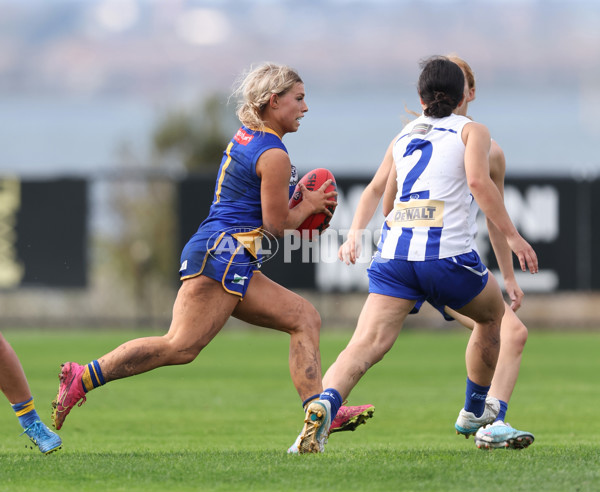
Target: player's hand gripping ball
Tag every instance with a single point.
(313, 180)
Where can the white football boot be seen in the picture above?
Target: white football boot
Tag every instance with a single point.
(314, 434)
(467, 423)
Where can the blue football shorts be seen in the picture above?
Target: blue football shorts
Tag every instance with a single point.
(221, 257)
(452, 282)
(441, 309)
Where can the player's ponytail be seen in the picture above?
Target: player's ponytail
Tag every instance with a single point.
(441, 86)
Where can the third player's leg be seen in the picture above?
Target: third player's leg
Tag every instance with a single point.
(513, 334)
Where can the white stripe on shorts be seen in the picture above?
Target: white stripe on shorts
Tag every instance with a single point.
(481, 274)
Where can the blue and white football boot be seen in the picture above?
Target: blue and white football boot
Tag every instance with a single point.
(501, 435)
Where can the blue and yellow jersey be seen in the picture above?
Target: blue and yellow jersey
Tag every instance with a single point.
(236, 206)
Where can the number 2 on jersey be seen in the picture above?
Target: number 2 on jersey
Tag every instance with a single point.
(426, 149)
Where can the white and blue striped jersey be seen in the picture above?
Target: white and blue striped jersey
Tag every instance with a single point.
(433, 215)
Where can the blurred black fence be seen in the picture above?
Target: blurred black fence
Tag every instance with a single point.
(555, 215)
(106, 250)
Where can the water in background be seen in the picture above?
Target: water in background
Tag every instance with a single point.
(548, 131)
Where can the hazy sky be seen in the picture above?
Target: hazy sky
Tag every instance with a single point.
(80, 78)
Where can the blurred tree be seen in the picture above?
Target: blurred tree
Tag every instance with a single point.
(142, 247)
(194, 138)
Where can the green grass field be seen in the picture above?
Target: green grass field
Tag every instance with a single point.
(225, 421)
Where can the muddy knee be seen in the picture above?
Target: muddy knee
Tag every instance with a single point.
(309, 320)
(180, 354)
(302, 318)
